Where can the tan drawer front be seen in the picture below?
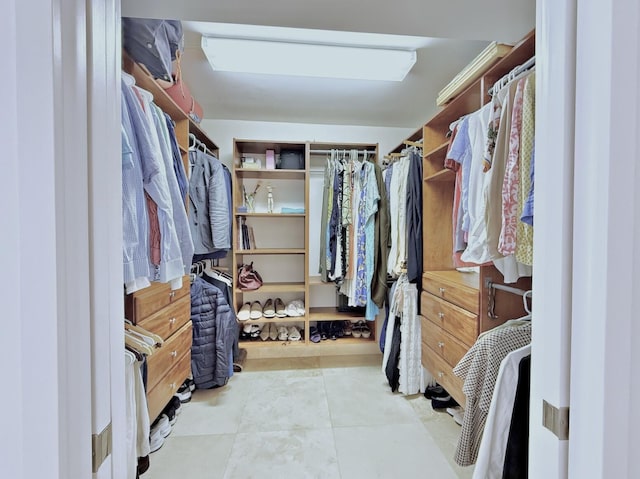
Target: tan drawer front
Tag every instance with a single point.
(443, 373)
(456, 293)
(170, 319)
(460, 323)
(149, 300)
(449, 348)
(168, 355)
(159, 396)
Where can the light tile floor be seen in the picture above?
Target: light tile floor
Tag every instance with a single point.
(324, 418)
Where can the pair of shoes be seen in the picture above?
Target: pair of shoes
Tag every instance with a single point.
(251, 331)
(294, 333)
(314, 334)
(336, 329)
(435, 391)
(184, 393)
(361, 329)
(443, 403)
(171, 411)
(250, 311)
(283, 333)
(457, 413)
(160, 429)
(325, 329)
(295, 308)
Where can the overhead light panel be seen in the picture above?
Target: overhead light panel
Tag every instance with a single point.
(307, 59)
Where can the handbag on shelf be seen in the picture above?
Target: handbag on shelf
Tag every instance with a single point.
(248, 278)
(181, 95)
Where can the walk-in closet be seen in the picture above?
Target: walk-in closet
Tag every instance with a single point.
(321, 240)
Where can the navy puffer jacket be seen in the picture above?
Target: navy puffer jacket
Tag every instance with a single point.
(214, 327)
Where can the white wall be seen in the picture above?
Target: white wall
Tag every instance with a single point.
(224, 131)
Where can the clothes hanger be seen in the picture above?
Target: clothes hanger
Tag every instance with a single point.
(130, 326)
(137, 344)
(527, 294)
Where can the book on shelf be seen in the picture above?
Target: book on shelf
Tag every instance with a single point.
(245, 236)
(252, 239)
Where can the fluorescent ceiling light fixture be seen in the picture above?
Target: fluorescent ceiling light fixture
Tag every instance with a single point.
(307, 59)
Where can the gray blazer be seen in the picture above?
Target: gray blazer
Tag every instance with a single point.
(209, 204)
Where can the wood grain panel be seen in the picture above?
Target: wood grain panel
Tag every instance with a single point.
(443, 373)
(149, 300)
(443, 343)
(453, 319)
(168, 355)
(170, 319)
(457, 288)
(159, 396)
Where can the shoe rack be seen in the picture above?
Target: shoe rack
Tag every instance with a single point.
(281, 248)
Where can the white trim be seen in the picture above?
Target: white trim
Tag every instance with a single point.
(550, 363)
(11, 452)
(606, 205)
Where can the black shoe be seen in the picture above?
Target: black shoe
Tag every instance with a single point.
(325, 329)
(184, 393)
(443, 403)
(435, 392)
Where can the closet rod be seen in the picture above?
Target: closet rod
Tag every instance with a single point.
(326, 152)
(502, 82)
(508, 289)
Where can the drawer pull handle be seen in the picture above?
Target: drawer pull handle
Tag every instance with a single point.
(440, 374)
(172, 385)
(174, 354)
(441, 315)
(172, 321)
(440, 344)
(172, 294)
(442, 290)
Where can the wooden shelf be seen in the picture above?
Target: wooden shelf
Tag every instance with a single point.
(272, 174)
(415, 136)
(468, 101)
(278, 288)
(286, 319)
(343, 340)
(270, 251)
(195, 129)
(444, 175)
(183, 149)
(268, 215)
(438, 152)
(330, 313)
(271, 344)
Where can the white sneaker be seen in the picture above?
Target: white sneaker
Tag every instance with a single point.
(245, 312)
(457, 413)
(294, 333)
(283, 334)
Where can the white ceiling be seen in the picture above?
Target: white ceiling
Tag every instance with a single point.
(462, 29)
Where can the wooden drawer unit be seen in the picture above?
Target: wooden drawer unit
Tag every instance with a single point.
(459, 322)
(443, 373)
(443, 343)
(147, 301)
(168, 320)
(460, 289)
(158, 397)
(168, 355)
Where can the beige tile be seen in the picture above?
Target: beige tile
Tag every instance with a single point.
(279, 364)
(202, 457)
(351, 361)
(287, 403)
(364, 398)
(302, 454)
(389, 451)
(212, 411)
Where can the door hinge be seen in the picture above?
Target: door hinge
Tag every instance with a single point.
(100, 447)
(556, 420)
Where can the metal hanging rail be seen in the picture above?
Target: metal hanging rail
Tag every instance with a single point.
(491, 287)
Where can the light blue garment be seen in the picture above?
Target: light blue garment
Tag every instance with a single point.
(155, 181)
(527, 209)
(179, 213)
(209, 210)
(135, 220)
(461, 152)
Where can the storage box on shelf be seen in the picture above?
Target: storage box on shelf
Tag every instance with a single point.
(454, 304)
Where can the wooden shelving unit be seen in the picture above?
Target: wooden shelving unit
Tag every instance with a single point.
(454, 304)
(288, 276)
